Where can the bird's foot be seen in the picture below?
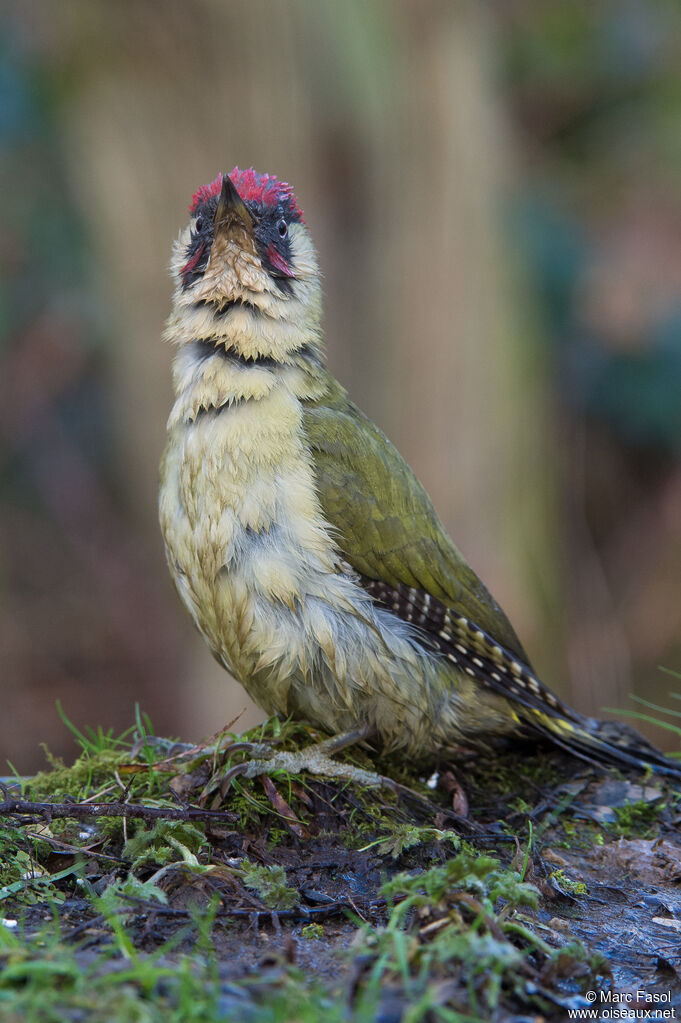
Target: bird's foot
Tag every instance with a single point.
(316, 759)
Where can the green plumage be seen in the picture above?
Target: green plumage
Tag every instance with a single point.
(387, 527)
(388, 531)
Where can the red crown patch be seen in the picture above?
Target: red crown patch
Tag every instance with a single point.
(252, 187)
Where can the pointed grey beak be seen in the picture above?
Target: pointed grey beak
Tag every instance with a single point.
(231, 210)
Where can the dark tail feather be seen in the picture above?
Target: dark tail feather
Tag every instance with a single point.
(609, 743)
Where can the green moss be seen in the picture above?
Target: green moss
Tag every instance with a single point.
(270, 884)
(567, 884)
(81, 779)
(578, 834)
(638, 819)
(515, 773)
(167, 842)
(402, 836)
(462, 924)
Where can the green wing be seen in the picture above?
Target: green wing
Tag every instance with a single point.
(387, 527)
(389, 532)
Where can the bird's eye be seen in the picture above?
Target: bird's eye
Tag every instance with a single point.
(198, 225)
(282, 228)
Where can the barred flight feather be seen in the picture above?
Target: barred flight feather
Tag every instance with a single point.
(465, 645)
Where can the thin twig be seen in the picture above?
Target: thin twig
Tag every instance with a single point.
(84, 811)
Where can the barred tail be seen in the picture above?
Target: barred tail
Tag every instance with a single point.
(601, 742)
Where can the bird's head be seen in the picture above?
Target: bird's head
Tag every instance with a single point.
(247, 286)
(246, 246)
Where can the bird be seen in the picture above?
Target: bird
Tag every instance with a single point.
(304, 547)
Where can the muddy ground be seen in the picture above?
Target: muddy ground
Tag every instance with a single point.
(601, 851)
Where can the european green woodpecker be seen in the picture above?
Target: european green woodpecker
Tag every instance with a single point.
(302, 544)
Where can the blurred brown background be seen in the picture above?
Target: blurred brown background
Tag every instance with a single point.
(494, 192)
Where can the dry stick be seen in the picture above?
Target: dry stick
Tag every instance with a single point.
(299, 914)
(83, 811)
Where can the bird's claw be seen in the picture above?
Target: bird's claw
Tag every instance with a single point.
(314, 759)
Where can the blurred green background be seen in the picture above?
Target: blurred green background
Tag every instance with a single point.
(494, 192)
